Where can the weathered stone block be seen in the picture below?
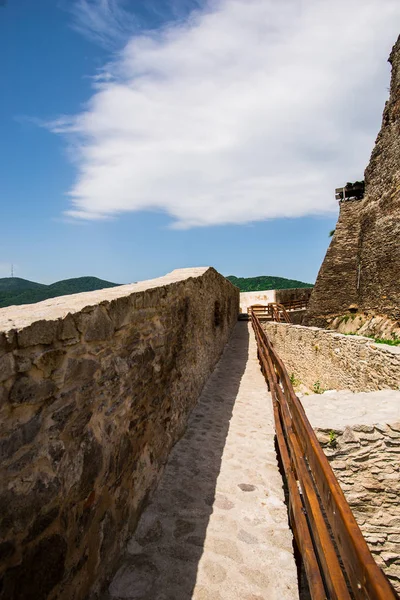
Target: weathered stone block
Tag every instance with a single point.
(7, 366)
(348, 436)
(62, 415)
(49, 361)
(121, 311)
(29, 391)
(68, 330)
(40, 332)
(24, 363)
(25, 434)
(96, 326)
(79, 371)
(3, 343)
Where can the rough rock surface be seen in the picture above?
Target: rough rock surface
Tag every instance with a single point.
(360, 434)
(376, 326)
(95, 389)
(362, 264)
(330, 360)
(217, 526)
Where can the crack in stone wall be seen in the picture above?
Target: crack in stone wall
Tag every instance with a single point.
(95, 389)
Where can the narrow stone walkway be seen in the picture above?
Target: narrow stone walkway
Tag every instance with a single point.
(216, 528)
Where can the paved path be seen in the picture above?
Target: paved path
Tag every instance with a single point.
(216, 528)
(344, 408)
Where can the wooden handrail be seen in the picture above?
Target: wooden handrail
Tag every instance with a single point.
(336, 557)
(278, 312)
(295, 304)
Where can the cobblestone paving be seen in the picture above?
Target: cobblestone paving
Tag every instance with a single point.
(216, 528)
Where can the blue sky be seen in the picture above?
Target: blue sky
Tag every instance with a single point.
(136, 139)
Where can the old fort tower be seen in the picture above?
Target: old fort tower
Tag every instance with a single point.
(361, 267)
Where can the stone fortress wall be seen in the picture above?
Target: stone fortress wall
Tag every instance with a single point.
(362, 264)
(365, 460)
(360, 434)
(95, 389)
(334, 360)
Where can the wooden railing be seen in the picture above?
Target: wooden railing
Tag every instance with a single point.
(295, 304)
(272, 311)
(277, 312)
(336, 558)
(261, 310)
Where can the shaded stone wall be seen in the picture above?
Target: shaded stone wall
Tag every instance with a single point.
(365, 459)
(336, 286)
(95, 389)
(334, 360)
(290, 294)
(362, 264)
(297, 316)
(380, 218)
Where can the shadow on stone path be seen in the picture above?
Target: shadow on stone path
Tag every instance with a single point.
(216, 527)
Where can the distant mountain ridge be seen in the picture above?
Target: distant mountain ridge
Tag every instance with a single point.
(14, 290)
(266, 282)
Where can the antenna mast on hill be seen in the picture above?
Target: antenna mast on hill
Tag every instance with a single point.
(12, 270)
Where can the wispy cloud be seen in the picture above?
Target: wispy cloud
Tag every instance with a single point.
(249, 110)
(111, 22)
(103, 21)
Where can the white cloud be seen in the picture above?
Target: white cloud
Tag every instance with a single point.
(253, 109)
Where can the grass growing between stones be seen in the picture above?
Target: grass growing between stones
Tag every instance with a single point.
(294, 380)
(332, 439)
(394, 341)
(317, 388)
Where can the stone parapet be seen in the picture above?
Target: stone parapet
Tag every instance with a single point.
(95, 389)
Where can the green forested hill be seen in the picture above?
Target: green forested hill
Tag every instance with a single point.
(16, 284)
(14, 290)
(266, 282)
